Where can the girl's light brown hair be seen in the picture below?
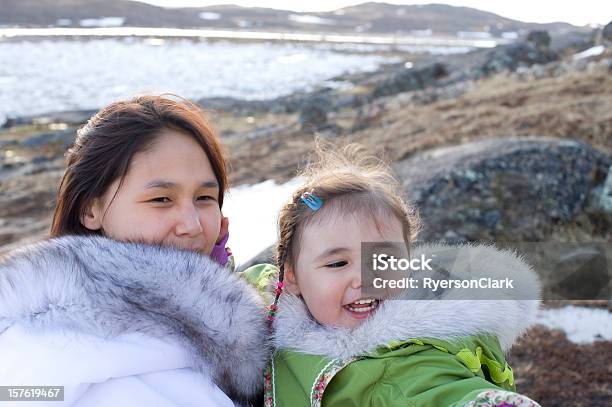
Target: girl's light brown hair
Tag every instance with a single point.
(106, 145)
(348, 180)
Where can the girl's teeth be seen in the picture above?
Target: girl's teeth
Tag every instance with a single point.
(363, 309)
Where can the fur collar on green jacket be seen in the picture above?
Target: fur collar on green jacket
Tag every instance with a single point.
(450, 317)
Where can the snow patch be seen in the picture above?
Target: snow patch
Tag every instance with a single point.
(422, 33)
(363, 28)
(253, 215)
(510, 35)
(306, 19)
(591, 52)
(102, 22)
(582, 325)
(474, 34)
(206, 15)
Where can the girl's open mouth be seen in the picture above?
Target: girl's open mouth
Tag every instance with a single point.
(362, 308)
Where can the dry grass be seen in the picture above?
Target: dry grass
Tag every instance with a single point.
(577, 105)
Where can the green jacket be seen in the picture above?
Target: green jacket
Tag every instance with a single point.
(425, 372)
(451, 353)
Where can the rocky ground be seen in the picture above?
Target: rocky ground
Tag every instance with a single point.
(513, 143)
(557, 372)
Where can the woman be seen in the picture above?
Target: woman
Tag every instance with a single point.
(122, 306)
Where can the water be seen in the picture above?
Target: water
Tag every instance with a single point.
(54, 74)
(45, 76)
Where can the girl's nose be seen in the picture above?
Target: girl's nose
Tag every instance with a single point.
(188, 222)
(356, 280)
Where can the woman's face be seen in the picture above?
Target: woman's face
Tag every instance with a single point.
(170, 196)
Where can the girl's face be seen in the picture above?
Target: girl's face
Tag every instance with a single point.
(328, 270)
(169, 196)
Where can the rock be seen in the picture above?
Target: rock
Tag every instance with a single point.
(234, 105)
(73, 117)
(349, 100)
(14, 121)
(606, 34)
(511, 57)
(65, 137)
(602, 196)
(572, 42)
(539, 38)
(410, 79)
(502, 189)
(313, 113)
(40, 159)
(452, 237)
(580, 273)
(11, 142)
(368, 115)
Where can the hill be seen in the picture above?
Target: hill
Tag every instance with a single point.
(374, 18)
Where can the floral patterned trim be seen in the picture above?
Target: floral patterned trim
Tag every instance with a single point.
(269, 400)
(318, 386)
(323, 378)
(501, 398)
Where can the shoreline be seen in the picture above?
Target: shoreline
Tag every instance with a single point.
(148, 32)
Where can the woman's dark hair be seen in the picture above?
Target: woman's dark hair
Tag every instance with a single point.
(105, 146)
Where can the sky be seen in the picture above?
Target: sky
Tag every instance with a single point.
(581, 12)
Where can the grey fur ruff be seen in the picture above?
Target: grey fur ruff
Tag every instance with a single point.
(106, 288)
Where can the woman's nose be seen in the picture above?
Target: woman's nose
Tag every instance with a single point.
(188, 222)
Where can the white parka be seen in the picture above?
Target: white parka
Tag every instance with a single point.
(126, 324)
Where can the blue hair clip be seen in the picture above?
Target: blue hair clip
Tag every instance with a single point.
(312, 201)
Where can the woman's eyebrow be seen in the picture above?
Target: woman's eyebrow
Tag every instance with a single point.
(210, 184)
(159, 183)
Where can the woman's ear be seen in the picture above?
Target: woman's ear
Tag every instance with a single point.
(91, 217)
(291, 281)
(224, 229)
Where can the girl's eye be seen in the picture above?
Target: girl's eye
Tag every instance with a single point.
(161, 199)
(206, 198)
(337, 264)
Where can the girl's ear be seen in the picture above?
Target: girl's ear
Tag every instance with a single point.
(290, 280)
(91, 217)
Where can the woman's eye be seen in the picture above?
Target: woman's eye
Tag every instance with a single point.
(206, 198)
(337, 264)
(161, 199)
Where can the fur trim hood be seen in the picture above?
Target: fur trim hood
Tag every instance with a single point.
(448, 315)
(105, 288)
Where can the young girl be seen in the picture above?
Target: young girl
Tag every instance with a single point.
(124, 306)
(336, 346)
